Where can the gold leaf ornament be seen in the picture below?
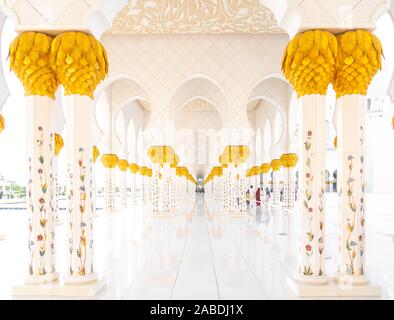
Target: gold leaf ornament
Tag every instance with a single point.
(309, 61)
(276, 164)
(80, 62)
(133, 167)
(289, 160)
(123, 165)
(2, 123)
(265, 168)
(59, 144)
(109, 160)
(96, 153)
(30, 59)
(359, 59)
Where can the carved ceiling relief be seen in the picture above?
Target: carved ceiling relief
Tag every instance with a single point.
(194, 16)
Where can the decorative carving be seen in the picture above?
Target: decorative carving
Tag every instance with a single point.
(194, 16)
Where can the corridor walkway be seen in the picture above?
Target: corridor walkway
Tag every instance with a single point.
(197, 254)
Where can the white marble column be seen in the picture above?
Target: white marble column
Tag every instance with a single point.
(265, 168)
(226, 188)
(311, 251)
(351, 125)
(40, 191)
(156, 188)
(289, 188)
(109, 190)
(276, 174)
(133, 184)
(56, 190)
(79, 190)
(123, 189)
(172, 194)
(242, 188)
(94, 190)
(166, 189)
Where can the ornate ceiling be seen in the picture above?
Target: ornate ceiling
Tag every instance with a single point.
(194, 16)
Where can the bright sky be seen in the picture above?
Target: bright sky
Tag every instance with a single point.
(13, 139)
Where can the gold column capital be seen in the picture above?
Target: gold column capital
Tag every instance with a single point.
(109, 160)
(276, 164)
(359, 58)
(96, 153)
(309, 61)
(59, 144)
(289, 160)
(80, 62)
(30, 59)
(123, 164)
(133, 167)
(2, 123)
(265, 168)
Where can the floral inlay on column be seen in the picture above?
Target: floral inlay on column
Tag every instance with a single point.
(30, 219)
(42, 236)
(81, 251)
(70, 198)
(307, 198)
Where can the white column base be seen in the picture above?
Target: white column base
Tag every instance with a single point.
(60, 289)
(37, 280)
(331, 289)
(343, 279)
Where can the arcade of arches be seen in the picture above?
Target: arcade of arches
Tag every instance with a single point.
(238, 148)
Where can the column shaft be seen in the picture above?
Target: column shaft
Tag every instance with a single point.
(312, 222)
(40, 189)
(79, 189)
(351, 118)
(123, 189)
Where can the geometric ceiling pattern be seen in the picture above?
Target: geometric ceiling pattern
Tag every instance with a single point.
(194, 16)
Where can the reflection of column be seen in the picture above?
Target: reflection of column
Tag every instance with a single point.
(276, 166)
(40, 84)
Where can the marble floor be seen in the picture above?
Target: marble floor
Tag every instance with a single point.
(201, 253)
